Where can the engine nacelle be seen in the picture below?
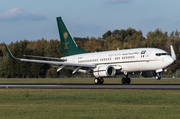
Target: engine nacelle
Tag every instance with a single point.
(149, 74)
(104, 71)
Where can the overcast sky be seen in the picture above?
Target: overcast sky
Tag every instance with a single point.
(34, 19)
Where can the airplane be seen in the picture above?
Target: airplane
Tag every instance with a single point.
(149, 62)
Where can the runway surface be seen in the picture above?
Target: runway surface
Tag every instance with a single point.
(93, 86)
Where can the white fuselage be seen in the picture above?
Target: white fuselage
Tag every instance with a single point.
(130, 60)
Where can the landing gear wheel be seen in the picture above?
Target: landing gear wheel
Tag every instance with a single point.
(158, 77)
(98, 80)
(101, 80)
(123, 80)
(128, 80)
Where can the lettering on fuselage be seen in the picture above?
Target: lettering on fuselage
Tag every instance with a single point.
(79, 57)
(114, 54)
(132, 53)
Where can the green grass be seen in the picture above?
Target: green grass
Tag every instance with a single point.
(88, 80)
(89, 104)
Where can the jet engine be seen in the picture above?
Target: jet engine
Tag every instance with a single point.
(149, 74)
(104, 71)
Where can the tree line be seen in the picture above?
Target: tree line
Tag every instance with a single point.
(111, 40)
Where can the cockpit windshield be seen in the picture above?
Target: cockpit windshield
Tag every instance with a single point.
(159, 54)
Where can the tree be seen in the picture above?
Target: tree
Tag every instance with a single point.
(177, 33)
(1, 53)
(93, 45)
(107, 34)
(51, 49)
(51, 73)
(81, 41)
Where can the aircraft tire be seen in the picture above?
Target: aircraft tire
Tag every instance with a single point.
(96, 81)
(101, 80)
(128, 80)
(158, 77)
(123, 80)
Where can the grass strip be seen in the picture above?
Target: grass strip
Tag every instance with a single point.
(89, 104)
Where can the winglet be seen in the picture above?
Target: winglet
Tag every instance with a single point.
(9, 52)
(173, 55)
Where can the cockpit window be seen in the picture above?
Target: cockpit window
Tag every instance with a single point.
(159, 54)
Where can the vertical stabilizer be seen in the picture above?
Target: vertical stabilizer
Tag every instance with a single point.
(68, 44)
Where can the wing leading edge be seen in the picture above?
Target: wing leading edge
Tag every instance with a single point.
(42, 57)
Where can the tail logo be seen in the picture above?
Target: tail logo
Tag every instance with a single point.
(66, 43)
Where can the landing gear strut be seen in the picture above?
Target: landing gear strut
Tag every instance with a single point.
(158, 77)
(98, 80)
(126, 80)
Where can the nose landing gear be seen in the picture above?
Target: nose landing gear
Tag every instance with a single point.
(158, 77)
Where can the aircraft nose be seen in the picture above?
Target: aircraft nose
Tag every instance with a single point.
(169, 60)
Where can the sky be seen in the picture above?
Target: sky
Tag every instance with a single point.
(34, 19)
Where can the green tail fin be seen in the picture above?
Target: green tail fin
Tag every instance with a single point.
(68, 44)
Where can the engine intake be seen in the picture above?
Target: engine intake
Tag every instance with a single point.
(104, 71)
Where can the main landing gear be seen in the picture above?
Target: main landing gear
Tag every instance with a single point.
(126, 80)
(158, 77)
(98, 80)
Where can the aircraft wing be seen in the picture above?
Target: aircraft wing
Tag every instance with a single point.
(42, 57)
(57, 63)
(61, 65)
